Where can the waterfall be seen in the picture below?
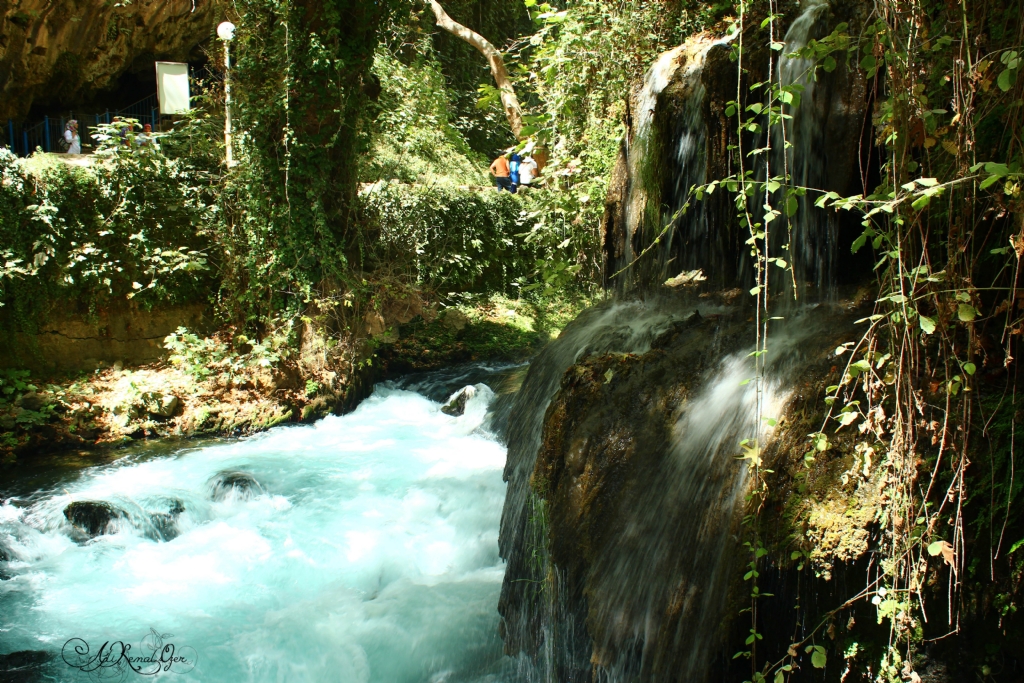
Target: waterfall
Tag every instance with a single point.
(651, 602)
(675, 138)
(814, 241)
(664, 161)
(643, 597)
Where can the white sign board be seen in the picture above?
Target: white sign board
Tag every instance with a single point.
(172, 87)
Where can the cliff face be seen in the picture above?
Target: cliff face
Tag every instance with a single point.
(678, 137)
(628, 565)
(58, 50)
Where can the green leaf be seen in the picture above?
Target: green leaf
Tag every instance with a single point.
(970, 368)
(989, 182)
(934, 549)
(818, 658)
(921, 202)
(927, 324)
(868, 62)
(966, 312)
(829, 65)
(791, 206)
(1007, 79)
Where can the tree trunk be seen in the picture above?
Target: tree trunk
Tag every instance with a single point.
(508, 94)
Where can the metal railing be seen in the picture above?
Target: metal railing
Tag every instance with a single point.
(25, 139)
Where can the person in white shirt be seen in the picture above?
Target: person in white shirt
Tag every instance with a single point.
(72, 138)
(527, 171)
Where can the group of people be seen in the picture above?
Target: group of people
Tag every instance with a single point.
(144, 140)
(512, 172)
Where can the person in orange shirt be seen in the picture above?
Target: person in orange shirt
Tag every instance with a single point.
(502, 174)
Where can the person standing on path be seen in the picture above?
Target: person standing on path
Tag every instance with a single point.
(502, 174)
(527, 171)
(514, 171)
(72, 137)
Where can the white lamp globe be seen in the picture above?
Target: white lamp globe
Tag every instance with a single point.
(226, 30)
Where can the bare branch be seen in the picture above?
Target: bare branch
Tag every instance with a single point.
(509, 101)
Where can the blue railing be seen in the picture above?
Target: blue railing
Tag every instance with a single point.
(25, 139)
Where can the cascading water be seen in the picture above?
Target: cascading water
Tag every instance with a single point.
(651, 602)
(814, 238)
(362, 548)
(655, 195)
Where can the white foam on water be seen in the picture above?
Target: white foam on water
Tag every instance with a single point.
(370, 554)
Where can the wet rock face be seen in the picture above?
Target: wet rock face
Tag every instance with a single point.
(58, 51)
(688, 141)
(628, 565)
(26, 666)
(91, 518)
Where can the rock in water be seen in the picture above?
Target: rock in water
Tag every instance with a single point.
(239, 485)
(165, 524)
(91, 517)
(25, 666)
(456, 405)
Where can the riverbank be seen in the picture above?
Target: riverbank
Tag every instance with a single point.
(202, 389)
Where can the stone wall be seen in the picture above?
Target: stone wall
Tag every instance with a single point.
(130, 335)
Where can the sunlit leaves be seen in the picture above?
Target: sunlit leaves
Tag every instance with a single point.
(966, 312)
(818, 656)
(1008, 77)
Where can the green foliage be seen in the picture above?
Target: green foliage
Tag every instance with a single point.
(412, 136)
(450, 239)
(23, 406)
(465, 69)
(134, 226)
(424, 346)
(299, 89)
(203, 358)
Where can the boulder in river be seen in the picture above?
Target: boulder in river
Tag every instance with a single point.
(91, 517)
(456, 405)
(25, 666)
(165, 524)
(239, 485)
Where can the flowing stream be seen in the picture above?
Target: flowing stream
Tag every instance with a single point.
(361, 548)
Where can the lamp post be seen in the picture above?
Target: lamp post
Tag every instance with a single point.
(226, 31)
